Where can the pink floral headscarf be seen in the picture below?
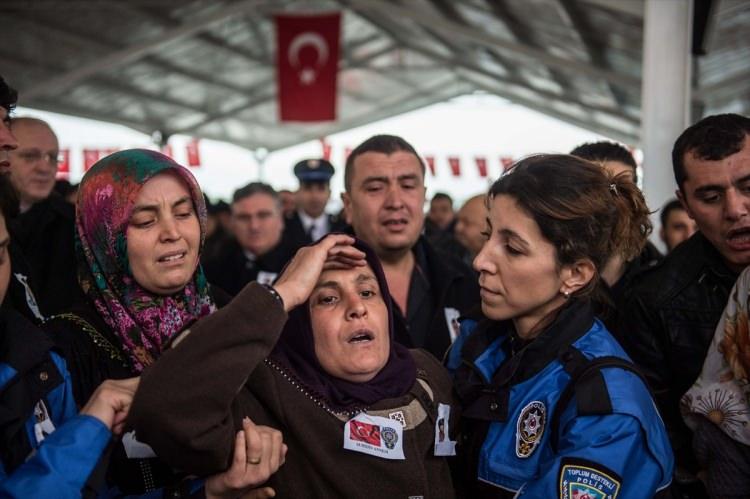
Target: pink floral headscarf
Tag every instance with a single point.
(142, 321)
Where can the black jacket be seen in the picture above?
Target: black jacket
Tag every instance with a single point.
(231, 270)
(295, 235)
(28, 375)
(445, 283)
(45, 234)
(609, 306)
(668, 323)
(93, 354)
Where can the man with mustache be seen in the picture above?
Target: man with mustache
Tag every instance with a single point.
(674, 308)
(384, 203)
(45, 227)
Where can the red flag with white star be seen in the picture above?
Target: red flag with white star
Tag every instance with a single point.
(307, 61)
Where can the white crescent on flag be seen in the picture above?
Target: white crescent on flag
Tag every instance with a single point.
(308, 74)
(308, 38)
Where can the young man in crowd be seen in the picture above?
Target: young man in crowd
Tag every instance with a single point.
(384, 199)
(471, 223)
(676, 224)
(674, 308)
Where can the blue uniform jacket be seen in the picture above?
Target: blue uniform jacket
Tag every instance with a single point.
(48, 450)
(609, 441)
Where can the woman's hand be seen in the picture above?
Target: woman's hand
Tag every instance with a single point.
(258, 452)
(111, 402)
(334, 251)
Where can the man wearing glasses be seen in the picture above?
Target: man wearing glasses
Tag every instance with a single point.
(45, 227)
(34, 162)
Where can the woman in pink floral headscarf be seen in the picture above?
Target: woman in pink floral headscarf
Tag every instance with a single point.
(140, 226)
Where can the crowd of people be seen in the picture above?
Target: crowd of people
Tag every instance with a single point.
(531, 343)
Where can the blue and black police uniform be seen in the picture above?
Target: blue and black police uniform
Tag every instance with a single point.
(563, 415)
(46, 448)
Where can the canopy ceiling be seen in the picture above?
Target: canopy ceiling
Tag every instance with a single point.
(206, 68)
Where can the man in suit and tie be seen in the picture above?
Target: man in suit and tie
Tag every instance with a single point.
(310, 222)
(257, 251)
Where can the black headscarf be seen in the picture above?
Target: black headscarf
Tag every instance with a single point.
(295, 351)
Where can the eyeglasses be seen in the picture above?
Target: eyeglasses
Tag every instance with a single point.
(35, 155)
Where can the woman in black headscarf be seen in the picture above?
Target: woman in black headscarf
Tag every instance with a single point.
(358, 411)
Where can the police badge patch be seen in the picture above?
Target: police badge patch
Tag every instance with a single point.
(583, 479)
(530, 428)
(389, 436)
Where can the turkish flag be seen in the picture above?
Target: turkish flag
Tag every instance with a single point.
(193, 153)
(307, 61)
(455, 165)
(482, 166)
(63, 167)
(430, 160)
(364, 432)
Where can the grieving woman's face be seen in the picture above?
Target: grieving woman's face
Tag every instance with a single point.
(350, 324)
(163, 235)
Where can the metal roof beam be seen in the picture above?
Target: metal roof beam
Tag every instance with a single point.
(109, 84)
(158, 64)
(630, 7)
(138, 51)
(167, 21)
(731, 87)
(534, 104)
(470, 66)
(55, 106)
(516, 25)
(426, 18)
(583, 28)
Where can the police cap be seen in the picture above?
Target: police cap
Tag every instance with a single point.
(314, 170)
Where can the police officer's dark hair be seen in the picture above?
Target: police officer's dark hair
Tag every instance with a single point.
(254, 188)
(442, 195)
(602, 151)
(668, 208)
(580, 208)
(385, 144)
(713, 138)
(8, 96)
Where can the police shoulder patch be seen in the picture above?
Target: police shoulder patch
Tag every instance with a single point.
(584, 479)
(530, 428)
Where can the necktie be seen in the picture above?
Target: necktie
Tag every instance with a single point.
(311, 232)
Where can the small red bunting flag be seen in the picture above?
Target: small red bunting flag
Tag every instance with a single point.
(193, 153)
(430, 160)
(481, 166)
(455, 163)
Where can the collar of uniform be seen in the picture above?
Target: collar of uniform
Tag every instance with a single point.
(489, 400)
(571, 323)
(308, 221)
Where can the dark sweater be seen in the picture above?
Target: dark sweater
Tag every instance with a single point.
(190, 404)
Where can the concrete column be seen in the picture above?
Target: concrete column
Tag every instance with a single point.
(665, 96)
